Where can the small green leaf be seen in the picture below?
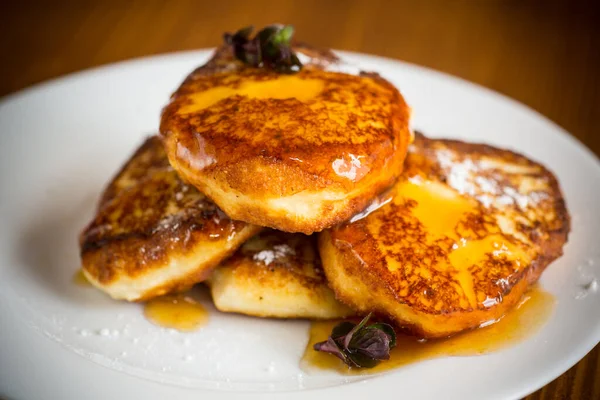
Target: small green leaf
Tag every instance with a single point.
(284, 35)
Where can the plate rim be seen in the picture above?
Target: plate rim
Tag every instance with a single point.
(139, 61)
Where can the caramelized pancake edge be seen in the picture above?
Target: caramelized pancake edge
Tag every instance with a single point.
(153, 233)
(508, 210)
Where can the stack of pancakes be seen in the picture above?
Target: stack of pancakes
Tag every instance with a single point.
(307, 196)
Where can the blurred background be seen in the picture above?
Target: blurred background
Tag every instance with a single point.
(545, 54)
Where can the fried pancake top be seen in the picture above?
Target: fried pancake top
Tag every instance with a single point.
(147, 214)
(317, 128)
(463, 225)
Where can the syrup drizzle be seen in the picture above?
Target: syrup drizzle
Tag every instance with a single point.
(523, 322)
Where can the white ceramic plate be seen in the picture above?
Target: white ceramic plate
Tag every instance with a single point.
(61, 141)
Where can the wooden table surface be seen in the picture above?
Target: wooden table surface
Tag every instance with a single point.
(545, 54)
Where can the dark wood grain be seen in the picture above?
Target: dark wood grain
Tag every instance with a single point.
(545, 54)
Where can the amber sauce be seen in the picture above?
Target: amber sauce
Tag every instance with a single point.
(179, 312)
(284, 87)
(80, 279)
(523, 322)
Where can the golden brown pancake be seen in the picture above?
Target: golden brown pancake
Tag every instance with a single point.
(296, 152)
(153, 234)
(275, 274)
(455, 244)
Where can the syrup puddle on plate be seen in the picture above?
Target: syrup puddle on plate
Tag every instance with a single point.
(519, 324)
(80, 280)
(175, 311)
(178, 311)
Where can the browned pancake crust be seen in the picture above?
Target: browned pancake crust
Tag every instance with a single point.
(148, 218)
(274, 251)
(350, 137)
(399, 269)
(276, 274)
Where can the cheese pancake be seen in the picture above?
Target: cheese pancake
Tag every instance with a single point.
(276, 274)
(295, 152)
(153, 234)
(455, 244)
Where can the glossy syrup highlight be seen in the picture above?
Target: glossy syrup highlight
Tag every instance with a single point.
(521, 323)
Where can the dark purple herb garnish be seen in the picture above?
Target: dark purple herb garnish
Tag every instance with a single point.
(360, 345)
(269, 48)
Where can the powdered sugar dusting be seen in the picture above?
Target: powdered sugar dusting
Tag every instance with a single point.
(486, 181)
(279, 251)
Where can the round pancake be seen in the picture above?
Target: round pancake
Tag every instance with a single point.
(454, 244)
(298, 152)
(277, 275)
(153, 234)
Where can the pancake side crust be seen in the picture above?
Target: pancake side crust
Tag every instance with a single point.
(153, 234)
(276, 275)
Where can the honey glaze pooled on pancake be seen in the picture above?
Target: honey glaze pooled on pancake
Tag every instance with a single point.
(437, 227)
(335, 122)
(176, 311)
(518, 325)
(468, 229)
(298, 152)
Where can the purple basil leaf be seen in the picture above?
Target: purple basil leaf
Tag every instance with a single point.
(265, 35)
(342, 329)
(348, 337)
(228, 38)
(360, 345)
(371, 342)
(270, 48)
(331, 347)
(388, 330)
(238, 40)
(252, 53)
(285, 54)
(243, 34)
